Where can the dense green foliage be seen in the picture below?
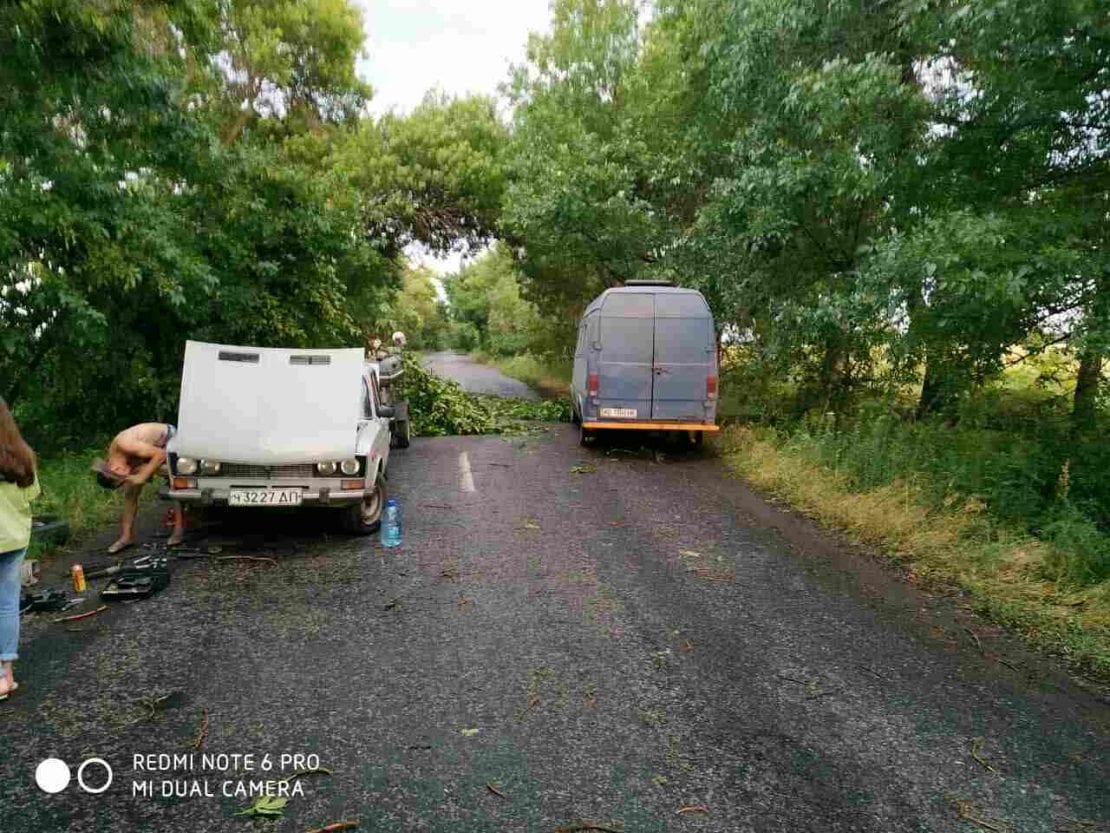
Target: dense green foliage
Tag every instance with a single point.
(871, 195)
(196, 169)
(886, 205)
(439, 406)
(898, 212)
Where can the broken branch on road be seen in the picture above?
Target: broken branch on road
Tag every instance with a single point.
(336, 827)
(976, 753)
(202, 731)
(587, 825)
(80, 616)
(493, 789)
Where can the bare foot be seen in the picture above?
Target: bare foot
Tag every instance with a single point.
(7, 687)
(176, 539)
(121, 545)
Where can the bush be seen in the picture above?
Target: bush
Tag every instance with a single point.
(464, 336)
(439, 406)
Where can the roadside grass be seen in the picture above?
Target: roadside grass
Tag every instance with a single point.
(549, 377)
(1018, 580)
(70, 492)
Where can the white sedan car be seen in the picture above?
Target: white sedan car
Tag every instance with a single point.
(279, 427)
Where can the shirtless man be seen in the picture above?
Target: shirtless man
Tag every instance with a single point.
(133, 458)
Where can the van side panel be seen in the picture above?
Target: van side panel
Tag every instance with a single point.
(578, 376)
(624, 365)
(685, 353)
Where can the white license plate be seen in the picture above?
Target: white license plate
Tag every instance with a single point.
(264, 497)
(629, 413)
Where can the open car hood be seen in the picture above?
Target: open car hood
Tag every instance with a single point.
(268, 405)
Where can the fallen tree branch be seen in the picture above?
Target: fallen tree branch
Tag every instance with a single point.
(976, 750)
(202, 731)
(337, 826)
(967, 813)
(79, 616)
(692, 808)
(493, 789)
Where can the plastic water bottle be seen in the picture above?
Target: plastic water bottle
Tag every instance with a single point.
(391, 524)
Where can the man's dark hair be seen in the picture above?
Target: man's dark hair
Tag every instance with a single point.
(107, 482)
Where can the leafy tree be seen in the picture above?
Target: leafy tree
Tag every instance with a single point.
(417, 311)
(485, 295)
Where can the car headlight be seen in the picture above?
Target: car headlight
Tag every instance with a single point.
(186, 465)
(209, 466)
(349, 466)
(326, 469)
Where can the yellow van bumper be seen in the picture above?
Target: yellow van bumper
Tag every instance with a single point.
(645, 425)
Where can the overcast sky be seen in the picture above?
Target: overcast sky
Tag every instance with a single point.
(459, 46)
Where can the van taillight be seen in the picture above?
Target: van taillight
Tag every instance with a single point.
(710, 387)
(592, 384)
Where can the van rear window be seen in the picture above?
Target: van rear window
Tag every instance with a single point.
(629, 305)
(680, 305)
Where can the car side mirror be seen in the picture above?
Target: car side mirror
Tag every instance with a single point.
(387, 411)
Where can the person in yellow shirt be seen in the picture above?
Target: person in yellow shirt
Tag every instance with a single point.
(18, 487)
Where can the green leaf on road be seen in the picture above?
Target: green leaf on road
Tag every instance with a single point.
(266, 807)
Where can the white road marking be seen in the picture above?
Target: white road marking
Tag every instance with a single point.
(466, 478)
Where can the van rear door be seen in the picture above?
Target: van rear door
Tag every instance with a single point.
(625, 362)
(685, 355)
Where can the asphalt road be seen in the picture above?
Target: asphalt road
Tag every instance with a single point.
(477, 378)
(566, 637)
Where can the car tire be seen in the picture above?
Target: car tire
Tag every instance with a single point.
(696, 438)
(575, 417)
(365, 517)
(586, 437)
(401, 433)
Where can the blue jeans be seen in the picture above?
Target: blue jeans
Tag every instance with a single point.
(9, 604)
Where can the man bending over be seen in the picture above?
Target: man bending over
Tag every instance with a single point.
(133, 458)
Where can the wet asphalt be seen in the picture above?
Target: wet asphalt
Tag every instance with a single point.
(614, 639)
(477, 378)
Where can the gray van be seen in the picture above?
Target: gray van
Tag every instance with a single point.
(646, 358)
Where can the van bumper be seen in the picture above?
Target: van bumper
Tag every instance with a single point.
(651, 425)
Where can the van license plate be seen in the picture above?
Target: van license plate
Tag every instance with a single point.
(264, 497)
(629, 413)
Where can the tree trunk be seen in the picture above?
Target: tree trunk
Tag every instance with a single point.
(830, 374)
(932, 391)
(1085, 404)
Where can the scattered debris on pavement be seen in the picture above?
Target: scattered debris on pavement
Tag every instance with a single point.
(577, 826)
(79, 616)
(977, 754)
(967, 812)
(202, 731)
(335, 827)
(493, 788)
(267, 807)
(692, 808)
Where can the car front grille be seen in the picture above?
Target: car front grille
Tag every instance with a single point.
(252, 472)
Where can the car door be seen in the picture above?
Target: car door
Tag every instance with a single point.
(625, 363)
(684, 356)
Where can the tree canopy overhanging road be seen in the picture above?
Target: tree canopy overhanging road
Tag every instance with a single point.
(897, 212)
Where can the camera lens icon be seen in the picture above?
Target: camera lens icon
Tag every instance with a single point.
(53, 775)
